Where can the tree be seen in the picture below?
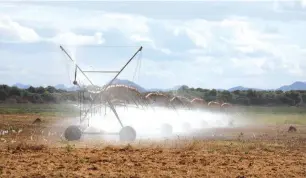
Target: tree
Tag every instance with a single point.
(15, 91)
(213, 92)
(183, 88)
(40, 90)
(31, 89)
(5, 88)
(3, 95)
(236, 92)
(251, 93)
(24, 93)
(200, 89)
(294, 95)
(286, 100)
(37, 98)
(51, 89)
(278, 92)
(46, 96)
(304, 97)
(225, 96)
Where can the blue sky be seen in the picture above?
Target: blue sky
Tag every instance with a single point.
(208, 44)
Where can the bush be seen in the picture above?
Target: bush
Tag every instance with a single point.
(15, 91)
(3, 95)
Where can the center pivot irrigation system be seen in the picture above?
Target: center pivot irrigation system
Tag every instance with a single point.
(100, 99)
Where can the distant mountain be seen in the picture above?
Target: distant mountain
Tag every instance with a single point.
(159, 90)
(22, 86)
(64, 87)
(164, 90)
(74, 88)
(60, 86)
(129, 83)
(176, 87)
(241, 88)
(295, 86)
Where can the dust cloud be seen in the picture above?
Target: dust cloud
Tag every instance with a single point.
(156, 123)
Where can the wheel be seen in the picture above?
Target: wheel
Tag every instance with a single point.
(166, 130)
(72, 133)
(127, 133)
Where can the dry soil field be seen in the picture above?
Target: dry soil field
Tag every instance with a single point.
(36, 150)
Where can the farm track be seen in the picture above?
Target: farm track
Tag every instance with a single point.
(257, 152)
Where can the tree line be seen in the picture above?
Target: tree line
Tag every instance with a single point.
(49, 94)
(32, 94)
(248, 97)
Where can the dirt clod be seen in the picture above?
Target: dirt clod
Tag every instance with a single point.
(292, 129)
(37, 121)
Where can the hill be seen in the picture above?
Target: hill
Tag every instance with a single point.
(298, 85)
(295, 86)
(164, 90)
(241, 88)
(129, 83)
(22, 86)
(74, 88)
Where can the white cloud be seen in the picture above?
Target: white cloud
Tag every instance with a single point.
(223, 34)
(13, 31)
(254, 66)
(237, 37)
(303, 3)
(230, 50)
(126, 23)
(139, 38)
(70, 38)
(69, 19)
(132, 26)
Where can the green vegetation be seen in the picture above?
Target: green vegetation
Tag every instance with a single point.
(248, 97)
(254, 114)
(11, 95)
(272, 110)
(259, 115)
(39, 109)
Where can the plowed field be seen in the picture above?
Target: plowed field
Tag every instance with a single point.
(35, 150)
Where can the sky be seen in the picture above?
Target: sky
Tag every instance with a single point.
(207, 44)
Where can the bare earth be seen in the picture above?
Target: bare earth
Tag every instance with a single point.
(37, 151)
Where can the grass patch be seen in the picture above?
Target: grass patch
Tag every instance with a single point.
(40, 109)
(273, 110)
(271, 115)
(257, 114)
(23, 146)
(266, 118)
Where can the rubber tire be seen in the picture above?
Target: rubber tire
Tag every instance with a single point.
(166, 130)
(73, 133)
(127, 133)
